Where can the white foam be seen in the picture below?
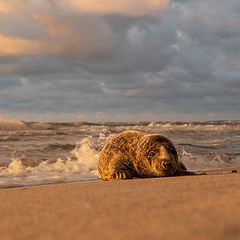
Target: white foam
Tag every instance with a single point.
(81, 166)
(196, 143)
(208, 161)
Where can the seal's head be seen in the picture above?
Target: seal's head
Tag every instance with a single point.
(157, 155)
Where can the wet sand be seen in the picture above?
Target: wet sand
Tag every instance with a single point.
(190, 207)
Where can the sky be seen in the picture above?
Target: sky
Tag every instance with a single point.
(128, 60)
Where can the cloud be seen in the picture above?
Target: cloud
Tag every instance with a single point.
(183, 61)
(100, 7)
(74, 29)
(126, 7)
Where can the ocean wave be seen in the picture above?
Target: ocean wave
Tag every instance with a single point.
(81, 166)
(52, 147)
(11, 125)
(205, 147)
(208, 161)
(8, 124)
(34, 153)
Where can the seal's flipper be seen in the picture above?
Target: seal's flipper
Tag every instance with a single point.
(122, 169)
(181, 166)
(122, 175)
(182, 170)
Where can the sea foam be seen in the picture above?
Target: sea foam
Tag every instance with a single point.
(81, 166)
(35, 153)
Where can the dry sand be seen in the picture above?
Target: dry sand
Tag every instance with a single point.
(191, 207)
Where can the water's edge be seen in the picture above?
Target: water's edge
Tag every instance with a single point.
(37, 153)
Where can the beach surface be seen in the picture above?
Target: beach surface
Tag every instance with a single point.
(189, 207)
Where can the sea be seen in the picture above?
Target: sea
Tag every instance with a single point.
(39, 153)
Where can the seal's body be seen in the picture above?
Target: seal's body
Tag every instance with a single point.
(133, 154)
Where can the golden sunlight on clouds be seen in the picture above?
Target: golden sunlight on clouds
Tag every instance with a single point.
(70, 28)
(4, 7)
(22, 47)
(128, 7)
(9, 6)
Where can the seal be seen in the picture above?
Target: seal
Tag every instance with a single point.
(133, 154)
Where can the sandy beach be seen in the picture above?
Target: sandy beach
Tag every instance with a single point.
(189, 207)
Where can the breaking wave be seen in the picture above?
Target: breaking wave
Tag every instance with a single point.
(81, 166)
(11, 125)
(35, 153)
(209, 161)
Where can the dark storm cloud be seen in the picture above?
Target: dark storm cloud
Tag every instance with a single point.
(185, 61)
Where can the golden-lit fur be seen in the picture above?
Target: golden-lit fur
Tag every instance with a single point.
(134, 154)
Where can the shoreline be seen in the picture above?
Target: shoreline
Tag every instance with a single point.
(183, 207)
(197, 172)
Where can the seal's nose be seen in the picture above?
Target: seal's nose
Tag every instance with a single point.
(166, 165)
(165, 158)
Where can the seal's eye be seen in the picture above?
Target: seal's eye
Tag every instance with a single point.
(152, 154)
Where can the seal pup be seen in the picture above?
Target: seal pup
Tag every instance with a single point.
(133, 154)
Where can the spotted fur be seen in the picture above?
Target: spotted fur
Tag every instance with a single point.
(132, 154)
